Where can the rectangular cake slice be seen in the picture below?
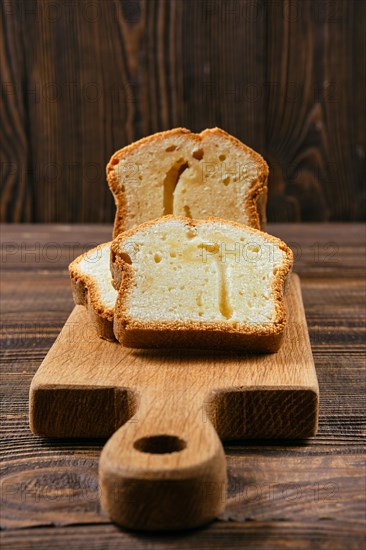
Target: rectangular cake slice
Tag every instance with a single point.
(199, 284)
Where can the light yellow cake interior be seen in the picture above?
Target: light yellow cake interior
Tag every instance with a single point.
(212, 272)
(184, 176)
(96, 264)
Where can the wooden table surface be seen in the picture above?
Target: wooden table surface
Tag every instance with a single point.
(282, 494)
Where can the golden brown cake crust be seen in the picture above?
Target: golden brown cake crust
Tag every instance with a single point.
(199, 334)
(85, 292)
(254, 205)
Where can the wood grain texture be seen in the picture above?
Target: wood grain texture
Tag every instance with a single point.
(312, 61)
(285, 494)
(83, 79)
(231, 535)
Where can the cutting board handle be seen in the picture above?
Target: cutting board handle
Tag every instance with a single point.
(165, 468)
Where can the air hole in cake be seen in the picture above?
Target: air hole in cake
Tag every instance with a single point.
(125, 257)
(226, 180)
(187, 211)
(253, 248)
(198, 154)
(213, 248)
(191, 233)
(170, 183)
(173, 254)
(275, 270)
(157, 257)
(222, 157)
(171, 148)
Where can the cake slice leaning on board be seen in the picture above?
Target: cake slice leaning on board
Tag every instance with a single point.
(91, 283)
(204, 284)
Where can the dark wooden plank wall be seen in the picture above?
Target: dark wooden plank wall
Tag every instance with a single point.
(83, 78)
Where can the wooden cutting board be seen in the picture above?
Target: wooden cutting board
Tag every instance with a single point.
(164, 466)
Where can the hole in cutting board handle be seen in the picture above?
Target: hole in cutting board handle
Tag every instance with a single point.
(160, 444)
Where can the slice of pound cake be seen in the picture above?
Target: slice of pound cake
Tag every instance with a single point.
(194, 175)
(199, 284)
(91, 283)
